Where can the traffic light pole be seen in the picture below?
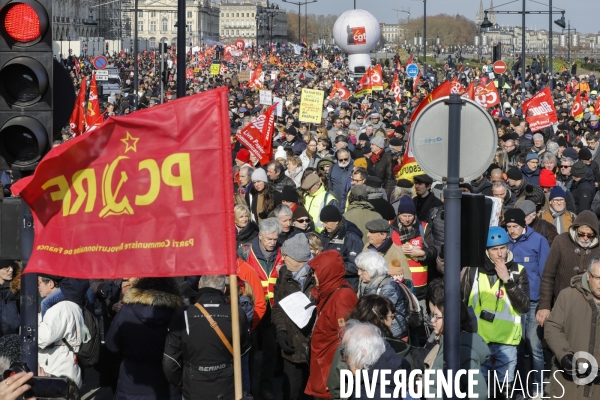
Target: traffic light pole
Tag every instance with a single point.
(29, 294)
(135, 57)
(452, 242)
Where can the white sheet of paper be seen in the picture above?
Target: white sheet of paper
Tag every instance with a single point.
(295, 305)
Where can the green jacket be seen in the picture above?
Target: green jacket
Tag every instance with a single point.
(361, 212)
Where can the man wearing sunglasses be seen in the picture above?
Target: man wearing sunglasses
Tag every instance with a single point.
(569, 255)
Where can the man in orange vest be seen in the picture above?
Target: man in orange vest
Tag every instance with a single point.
(264, 255)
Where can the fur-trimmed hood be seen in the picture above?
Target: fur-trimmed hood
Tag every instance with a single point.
(152, 297)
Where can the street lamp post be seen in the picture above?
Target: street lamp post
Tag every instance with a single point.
(487, 23)
(569, 29)
(299, 4)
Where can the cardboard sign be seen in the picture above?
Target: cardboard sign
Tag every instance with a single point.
(244, 76)
(265, 97)
(325, 64)
(279, 108)
(215, 69)
(311, 105)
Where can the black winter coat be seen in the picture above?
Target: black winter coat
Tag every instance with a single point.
(9, 307)
(139, 332)
(285, 286)
(282, 181)
(424, 204)
(347, 240)
(246, 234)
(384, 170)
(583, 192)
(195, 357)
(384, 208)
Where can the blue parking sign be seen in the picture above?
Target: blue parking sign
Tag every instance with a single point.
(412, 70)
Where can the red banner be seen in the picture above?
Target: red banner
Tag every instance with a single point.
(77, 121)
(364, 85)
(256, 79)
(410, 59)
(597, 107)
(257, 136)
(417, 80)
(487, 97)
(539, 110)
(441, 91)
(135, 196)
(469, 92)
(377, 78)
(93, 116)
(339, 88)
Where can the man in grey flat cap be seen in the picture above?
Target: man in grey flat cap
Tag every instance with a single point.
(380, 241)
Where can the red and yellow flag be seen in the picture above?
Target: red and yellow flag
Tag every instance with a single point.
(577, 108)
(93, 117)
(487, 96)
(364, 85)
(396, 89)
(135, 196)
(77, 121)
(257, 136)
(341, 89)
(377, 78)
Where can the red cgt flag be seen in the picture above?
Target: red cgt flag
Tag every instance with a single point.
(364, 85)
(396, 89)
(256, 80)
(135, 197)
(377, 78)
(597, 108)
(339, 88)
(487, 96)
(257, 136)
(77, 121)
(410, 59)
(577, 109)
(539, 110)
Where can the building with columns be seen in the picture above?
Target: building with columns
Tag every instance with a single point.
(73, 19)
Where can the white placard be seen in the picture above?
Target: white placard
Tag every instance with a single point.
(298, 307)
(266, 97)
(101, 72)
(101, 77)
(279, 108)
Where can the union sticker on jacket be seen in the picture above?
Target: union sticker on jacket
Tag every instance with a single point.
(341, 322)
(526, 259)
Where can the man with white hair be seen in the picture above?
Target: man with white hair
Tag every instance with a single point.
(283, 214)
(538, 144)
(364, 348)
(198, 353)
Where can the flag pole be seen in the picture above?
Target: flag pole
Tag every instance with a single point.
(235, 336)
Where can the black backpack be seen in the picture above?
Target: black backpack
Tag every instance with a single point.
(89, 351)
(414, 319)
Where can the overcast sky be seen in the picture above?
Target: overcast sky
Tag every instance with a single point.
(583, 13)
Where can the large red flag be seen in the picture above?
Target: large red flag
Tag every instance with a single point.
(77, 121)
(93, 117)
(257, 136)
(487, 96)
(597, 108)
(440, 91)
(142, 195)
(469, 92)
(417, 80)
(539, 110)
(377, 78)
(341, 89)
(410, 59)
(256, 80)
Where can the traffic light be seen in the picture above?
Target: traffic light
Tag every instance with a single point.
(497, 52)
(26, 81)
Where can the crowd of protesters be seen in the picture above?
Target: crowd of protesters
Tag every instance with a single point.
(330, 219)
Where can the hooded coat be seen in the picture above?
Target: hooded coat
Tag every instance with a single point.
(571, 327)
(335, 300)
(567, 259)
(139, 332)
(359, 213)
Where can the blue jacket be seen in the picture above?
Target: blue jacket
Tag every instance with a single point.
(337, 182)
(533, 177)
(531, 251)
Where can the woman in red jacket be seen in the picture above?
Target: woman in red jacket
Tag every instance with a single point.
(335, 299)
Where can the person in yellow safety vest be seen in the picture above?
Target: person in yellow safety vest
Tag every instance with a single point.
(263, 254)
(498, 293)
(316, 198)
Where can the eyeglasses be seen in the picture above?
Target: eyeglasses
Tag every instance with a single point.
(303, 220)
(559, 201)
(436, 318)
(343, 159)
(565, 166)
(586, 235)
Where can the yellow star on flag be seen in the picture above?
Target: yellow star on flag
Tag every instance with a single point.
(128, 144)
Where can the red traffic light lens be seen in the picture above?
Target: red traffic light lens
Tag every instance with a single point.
(22, 23)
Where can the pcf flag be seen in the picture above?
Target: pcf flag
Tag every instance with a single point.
(77, 120)
(539, 110)
(93, 116)
(143, 195)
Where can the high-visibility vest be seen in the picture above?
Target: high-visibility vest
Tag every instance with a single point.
(506, 327)
(267, 281)
(314, 203)
(419, 269)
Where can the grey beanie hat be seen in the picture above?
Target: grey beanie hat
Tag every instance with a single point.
(378, 141)
(297, 248)
(527, 206)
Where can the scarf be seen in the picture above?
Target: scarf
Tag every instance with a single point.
(375, 157)
(301, 275)
(371, 286)
(408, 232)
(51, 300)
(558, 223)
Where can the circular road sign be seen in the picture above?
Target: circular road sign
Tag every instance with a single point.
(500, 67)
(478, 139)
(412, 70)
(100, 62)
